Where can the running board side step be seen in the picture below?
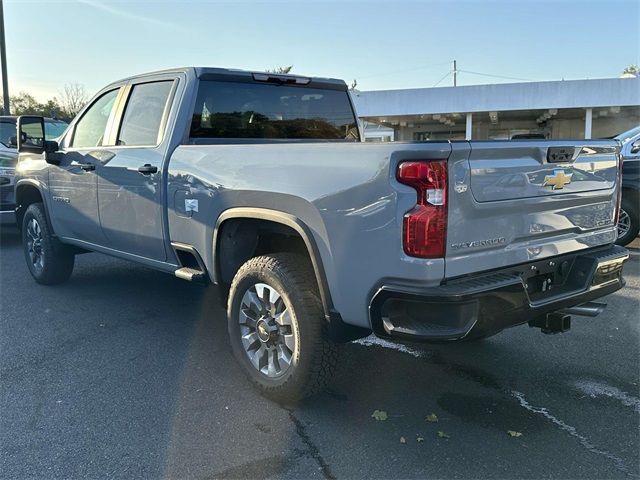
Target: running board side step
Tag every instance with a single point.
(190, 264)
(191, 274)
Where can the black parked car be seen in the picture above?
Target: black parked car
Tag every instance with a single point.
(629, 220)
(9, 157)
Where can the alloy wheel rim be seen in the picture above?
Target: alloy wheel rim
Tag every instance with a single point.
(624, 223)
(34, 244)
(267, 331)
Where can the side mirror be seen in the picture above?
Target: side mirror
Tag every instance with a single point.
(31, 139)
(31, 134)
(635, 147)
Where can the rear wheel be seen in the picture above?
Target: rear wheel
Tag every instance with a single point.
(49, 261)
(277, 328)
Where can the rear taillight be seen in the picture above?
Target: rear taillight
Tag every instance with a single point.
(425, 226)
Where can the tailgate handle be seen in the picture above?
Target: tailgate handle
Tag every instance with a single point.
(560, 154)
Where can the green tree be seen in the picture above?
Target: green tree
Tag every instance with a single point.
(631, 70)
(26, 104)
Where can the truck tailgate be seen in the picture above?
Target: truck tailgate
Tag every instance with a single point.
(515, 202)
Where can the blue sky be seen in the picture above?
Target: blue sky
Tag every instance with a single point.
(382, 44)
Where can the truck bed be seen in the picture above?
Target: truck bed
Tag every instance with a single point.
(349, 197)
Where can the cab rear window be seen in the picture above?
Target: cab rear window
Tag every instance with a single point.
(238, 110)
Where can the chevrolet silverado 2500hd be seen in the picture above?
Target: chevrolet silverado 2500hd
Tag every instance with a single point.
(258, 184)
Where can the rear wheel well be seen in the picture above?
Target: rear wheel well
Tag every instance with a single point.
(240, 239)
(25, 196)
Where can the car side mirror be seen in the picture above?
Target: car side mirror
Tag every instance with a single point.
(31, 134)
(635, 147)
(31, 139)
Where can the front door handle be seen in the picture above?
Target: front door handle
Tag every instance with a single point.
(147, 169)
(87, 167)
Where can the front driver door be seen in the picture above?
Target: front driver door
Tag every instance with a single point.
(130, 186)
(73, 183)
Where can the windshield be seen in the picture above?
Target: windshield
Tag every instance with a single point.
(54, 128)
(267, 111)
(7, 130)
(628, 135)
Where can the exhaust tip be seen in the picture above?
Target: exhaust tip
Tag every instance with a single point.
(589, 309)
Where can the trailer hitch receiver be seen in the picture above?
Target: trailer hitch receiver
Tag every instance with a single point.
(552, 323)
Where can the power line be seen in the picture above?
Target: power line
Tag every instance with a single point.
(405, 70)
(496, 76)
(445, 76)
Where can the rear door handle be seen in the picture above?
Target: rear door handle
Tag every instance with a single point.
(147, 169)
(87, 167)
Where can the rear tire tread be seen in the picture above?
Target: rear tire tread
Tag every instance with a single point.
(296, 273)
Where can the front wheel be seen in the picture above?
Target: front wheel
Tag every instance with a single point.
(277, 328)
(49, 261)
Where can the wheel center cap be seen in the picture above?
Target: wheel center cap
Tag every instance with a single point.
(263, 331)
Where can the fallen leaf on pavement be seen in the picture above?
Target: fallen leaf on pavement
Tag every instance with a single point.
(379, 415)
(419, 439)
(513, 433)
(441, 434)
(403, 440)
(431, 418)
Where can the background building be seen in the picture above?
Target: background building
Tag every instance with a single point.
(559, 109)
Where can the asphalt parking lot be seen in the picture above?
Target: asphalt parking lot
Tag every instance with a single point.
(124, 372)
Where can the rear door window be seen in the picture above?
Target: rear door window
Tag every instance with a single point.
(144, 114)
(239, 110)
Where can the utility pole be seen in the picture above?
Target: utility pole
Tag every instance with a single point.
(455, 72)
(3, 59)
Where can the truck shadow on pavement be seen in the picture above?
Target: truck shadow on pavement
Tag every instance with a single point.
(9, 236)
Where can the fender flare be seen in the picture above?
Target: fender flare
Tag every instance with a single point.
(338, 330)
(30, 182)
(284, 219)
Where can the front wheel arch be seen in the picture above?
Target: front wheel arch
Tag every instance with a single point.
(26, 195)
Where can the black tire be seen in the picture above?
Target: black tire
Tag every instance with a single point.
(49, 261)
(628, 212)
(314, 359)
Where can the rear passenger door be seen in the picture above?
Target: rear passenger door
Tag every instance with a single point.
(130, 186)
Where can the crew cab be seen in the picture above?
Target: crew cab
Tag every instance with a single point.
(258, 184)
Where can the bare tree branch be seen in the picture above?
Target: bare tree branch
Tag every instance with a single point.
(72, 98)
(280, 69)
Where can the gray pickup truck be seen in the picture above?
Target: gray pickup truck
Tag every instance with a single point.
(259, 184)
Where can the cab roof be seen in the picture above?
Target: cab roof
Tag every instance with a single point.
(212, 72)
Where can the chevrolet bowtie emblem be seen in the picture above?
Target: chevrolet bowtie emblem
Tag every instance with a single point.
(557, 180)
